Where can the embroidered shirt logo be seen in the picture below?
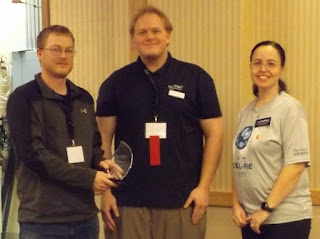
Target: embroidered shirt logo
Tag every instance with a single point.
(83, 111)
(175, 87)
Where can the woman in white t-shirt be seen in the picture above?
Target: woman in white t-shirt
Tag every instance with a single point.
(271, 198)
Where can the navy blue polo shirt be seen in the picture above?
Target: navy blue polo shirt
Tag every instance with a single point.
(129, 95)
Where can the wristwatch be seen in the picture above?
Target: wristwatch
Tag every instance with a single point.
(265, 207)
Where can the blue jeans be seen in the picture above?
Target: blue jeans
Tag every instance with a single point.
(88, 229)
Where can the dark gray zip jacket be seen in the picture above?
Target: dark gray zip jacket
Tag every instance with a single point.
(50, 189)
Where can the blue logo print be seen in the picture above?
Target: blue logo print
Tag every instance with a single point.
(243, 137)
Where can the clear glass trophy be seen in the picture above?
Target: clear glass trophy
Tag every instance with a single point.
(124, 158)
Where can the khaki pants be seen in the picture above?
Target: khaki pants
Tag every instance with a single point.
(145, 223)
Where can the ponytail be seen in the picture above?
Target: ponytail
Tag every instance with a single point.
(281, 83)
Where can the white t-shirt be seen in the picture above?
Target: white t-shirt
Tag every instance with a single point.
(269, 138)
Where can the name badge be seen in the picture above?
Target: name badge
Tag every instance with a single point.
(75, 154)
(156, 129)
(263, 122)
(177, 94)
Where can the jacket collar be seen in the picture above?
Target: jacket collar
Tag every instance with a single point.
(46, 92)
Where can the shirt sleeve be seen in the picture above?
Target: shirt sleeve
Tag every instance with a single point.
(208, 103)
(295, 136)
(106, 102)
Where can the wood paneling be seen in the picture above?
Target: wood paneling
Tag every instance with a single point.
(45, 13)
(102, 38)
(207, 33)
(218, 35)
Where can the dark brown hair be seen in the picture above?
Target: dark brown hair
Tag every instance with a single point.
(282, 54)
(57, 29)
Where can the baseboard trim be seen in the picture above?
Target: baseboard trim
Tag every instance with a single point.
(224, 199)
(11, 235)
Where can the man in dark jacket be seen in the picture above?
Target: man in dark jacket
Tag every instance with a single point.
(57, 147)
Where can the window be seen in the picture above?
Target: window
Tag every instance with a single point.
(20, 25)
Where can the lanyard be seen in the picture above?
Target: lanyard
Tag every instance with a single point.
(156, 96)
(67, 107)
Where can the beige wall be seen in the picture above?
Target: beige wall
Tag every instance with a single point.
(294, 24)
(207, 33)
(101, 31)
(218, 35)
(100, 28)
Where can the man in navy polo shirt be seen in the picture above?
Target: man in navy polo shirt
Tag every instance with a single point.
(162, 108)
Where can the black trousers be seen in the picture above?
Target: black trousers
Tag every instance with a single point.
(290, 230)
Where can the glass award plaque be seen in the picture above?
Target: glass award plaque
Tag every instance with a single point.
(124, 158)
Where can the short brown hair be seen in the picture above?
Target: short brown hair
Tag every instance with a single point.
(57, 29)
(151, 9)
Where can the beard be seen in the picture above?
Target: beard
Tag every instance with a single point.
(60, 72)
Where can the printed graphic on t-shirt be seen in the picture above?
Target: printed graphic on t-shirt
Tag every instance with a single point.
(242, 164)
(243, 137)
(301, 152)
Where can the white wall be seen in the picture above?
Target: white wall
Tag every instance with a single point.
(13, 27)
(19, 25)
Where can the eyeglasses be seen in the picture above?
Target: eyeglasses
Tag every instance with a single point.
(269, 65)
(56, 52)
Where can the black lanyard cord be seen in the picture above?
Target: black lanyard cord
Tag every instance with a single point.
(67, 107)
(156, 96)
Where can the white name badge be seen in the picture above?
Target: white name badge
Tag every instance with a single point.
(177, 94)
(156, 129)
(75, 154)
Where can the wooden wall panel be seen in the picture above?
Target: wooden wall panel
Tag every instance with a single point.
(215, 34)
(207, 33)
(102, 37)
(295, 25)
